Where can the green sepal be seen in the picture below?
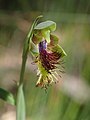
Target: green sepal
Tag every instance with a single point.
(59, 49)
(7, 96)
(47, 25)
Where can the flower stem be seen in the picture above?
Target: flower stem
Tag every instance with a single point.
(20, 101)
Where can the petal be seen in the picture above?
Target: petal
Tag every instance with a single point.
(59, 49)
(33, 49)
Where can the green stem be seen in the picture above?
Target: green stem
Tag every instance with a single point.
(20, 101)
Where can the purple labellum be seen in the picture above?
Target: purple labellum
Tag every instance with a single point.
(48, 59)
(48, 62)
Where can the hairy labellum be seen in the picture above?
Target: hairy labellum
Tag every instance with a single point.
(48, 54)
(47, 61)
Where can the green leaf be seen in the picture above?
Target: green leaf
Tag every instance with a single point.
(47, 25)
(20, 104)
(59, 49)
(7, 96)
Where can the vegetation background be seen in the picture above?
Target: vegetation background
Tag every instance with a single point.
(70, 98)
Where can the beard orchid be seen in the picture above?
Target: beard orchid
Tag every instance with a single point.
(47, 53)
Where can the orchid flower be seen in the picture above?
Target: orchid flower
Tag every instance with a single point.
(47, 53)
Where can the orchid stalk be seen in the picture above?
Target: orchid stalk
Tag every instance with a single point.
(20, 101)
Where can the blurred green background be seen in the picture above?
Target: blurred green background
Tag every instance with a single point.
(70, 98)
